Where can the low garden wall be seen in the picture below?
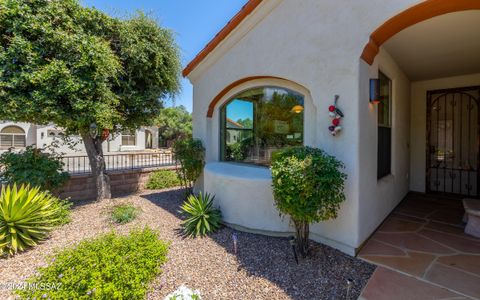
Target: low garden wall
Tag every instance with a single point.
(82, 186)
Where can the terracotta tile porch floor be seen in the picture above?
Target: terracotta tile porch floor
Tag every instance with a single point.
(423, 253)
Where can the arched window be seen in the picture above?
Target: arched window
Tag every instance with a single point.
(12, 136)
(259, 121)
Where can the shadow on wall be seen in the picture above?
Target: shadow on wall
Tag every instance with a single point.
(323, 275)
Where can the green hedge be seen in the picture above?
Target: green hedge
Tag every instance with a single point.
(163, 179)
(109, 267)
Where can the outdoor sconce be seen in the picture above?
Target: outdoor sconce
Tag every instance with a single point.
(374, 91)
(297, 109)
(93, 130)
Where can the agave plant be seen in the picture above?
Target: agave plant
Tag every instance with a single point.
(26, 217)
(201, 216)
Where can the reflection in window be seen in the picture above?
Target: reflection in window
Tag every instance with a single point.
(384, 147)
(259, 121)
(12, 136)
(128, 138)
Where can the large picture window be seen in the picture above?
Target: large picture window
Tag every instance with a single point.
(384, 156)
(259, 121)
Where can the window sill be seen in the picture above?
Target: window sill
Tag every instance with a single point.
(386, 178)
(239, 170)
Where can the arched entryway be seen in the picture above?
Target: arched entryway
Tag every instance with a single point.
(427, 58)
(430, 47)
(414, 15)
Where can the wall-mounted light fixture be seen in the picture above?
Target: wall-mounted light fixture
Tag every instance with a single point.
(374, 91)
(297, 109)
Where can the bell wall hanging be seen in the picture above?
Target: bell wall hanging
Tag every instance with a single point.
(336, 116)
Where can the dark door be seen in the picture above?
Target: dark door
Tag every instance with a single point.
(453, 141)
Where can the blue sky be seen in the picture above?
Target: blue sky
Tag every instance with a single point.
(240, 110)
(195, 23)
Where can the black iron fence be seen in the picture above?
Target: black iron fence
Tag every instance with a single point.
(121, 161)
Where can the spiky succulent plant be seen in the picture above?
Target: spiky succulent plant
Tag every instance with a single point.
(27, 215)
(201, 216)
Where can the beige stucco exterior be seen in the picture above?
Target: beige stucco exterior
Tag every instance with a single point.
(316, 47)
(43, 136)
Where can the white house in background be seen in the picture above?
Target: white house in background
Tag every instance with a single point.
(407, 73)
(20, 135)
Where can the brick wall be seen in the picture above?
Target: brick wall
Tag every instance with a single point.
(82, 187)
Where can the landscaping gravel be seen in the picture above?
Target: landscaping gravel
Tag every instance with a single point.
(262, 268)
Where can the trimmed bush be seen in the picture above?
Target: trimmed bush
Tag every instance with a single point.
(202, 217)
(124, 213)
(109, 267)
(27, 215)
(190, 154)
(163, 179)
(307, 186)
(33, 167)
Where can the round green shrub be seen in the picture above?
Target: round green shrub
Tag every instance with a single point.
(308, 186)
(110, 266)
(163, 179)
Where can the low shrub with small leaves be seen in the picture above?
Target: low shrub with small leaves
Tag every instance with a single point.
(111, 266)
(27, 215)
(190, 155)
(163, 179)
(124, 213)
(307, 186)
(34, 167)
(202, 217)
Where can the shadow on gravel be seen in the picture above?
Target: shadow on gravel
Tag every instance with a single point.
(170, 200)
(324, 274)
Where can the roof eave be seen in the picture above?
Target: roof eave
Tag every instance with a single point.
(248, 8)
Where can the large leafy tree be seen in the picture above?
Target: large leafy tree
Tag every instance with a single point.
(83, 70)
(174, 123)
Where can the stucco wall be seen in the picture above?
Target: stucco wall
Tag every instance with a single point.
(39, 136)
(316, 45)
(379, 197)
(419, 122)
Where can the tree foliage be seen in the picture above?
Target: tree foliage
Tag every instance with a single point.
(83, 70)
(174, 123)
(308, 186)
(74, 66)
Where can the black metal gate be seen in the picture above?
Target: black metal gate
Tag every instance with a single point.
(453, 141)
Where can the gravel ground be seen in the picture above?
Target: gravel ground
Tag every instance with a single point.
(263, 268)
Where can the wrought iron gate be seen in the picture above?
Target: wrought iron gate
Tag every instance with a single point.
(453, 141)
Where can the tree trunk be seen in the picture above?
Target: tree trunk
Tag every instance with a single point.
(97, 164)
(302, 229)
